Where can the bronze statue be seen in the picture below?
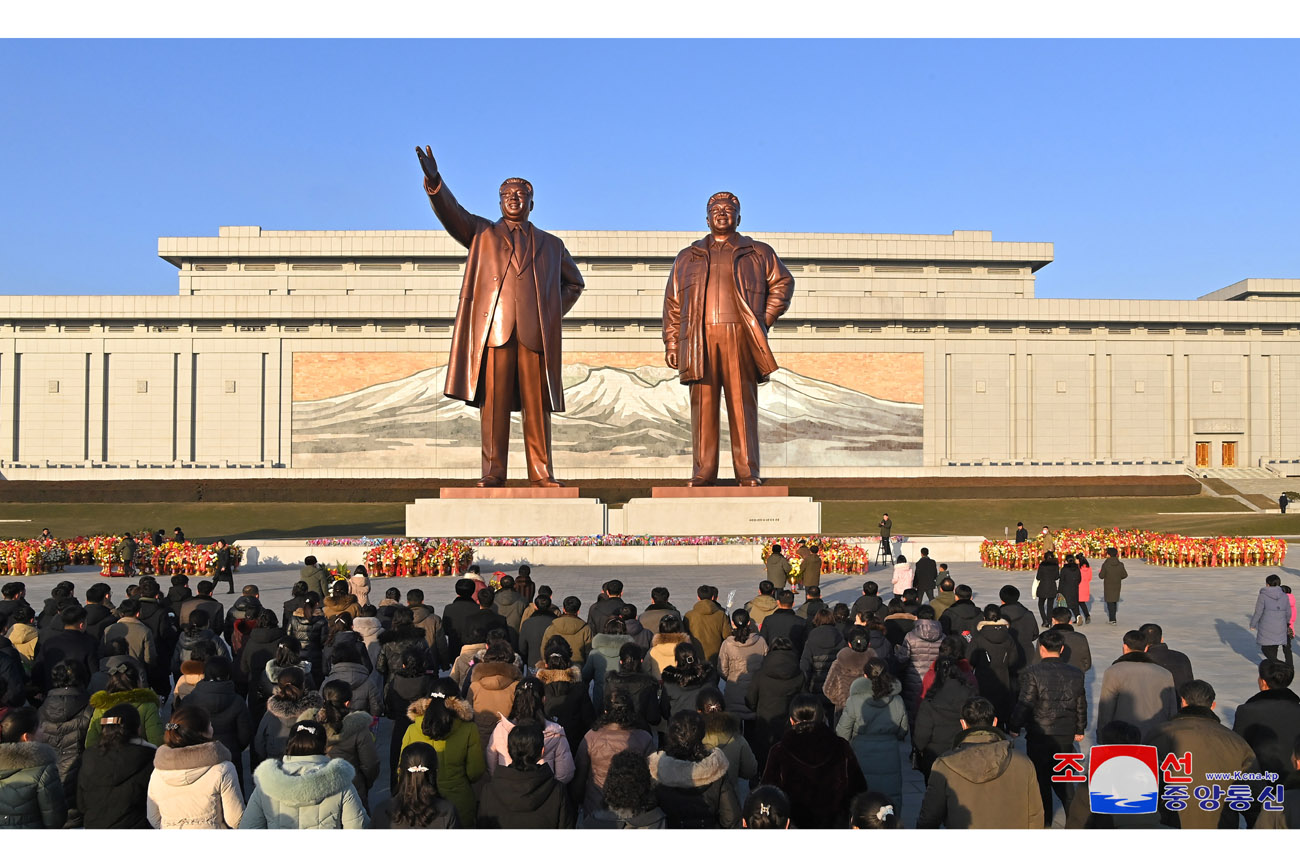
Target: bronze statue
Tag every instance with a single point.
(505, 345)
(724, 293)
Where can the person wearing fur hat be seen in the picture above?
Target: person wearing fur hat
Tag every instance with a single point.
(528, 708)
(194, 786)
(446, 722)
(113, 785)
(31, 795)
(288, 701)
(124, 688)
(348, 736)
(691, 780)
(566, 701)
(305, 789)
(525, 795)
(617, 729)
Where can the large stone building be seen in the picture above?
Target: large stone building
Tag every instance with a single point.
(310, 354)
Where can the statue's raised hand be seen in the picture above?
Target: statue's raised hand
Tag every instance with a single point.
(428, 163)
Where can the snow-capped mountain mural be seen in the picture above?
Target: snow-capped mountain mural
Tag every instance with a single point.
(623, 417)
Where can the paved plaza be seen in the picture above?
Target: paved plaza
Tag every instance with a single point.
(1204, 613)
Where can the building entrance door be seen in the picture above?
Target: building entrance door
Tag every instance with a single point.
(1202, 453)
(1229, 453)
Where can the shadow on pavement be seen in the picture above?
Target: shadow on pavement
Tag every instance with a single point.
(1239, 638)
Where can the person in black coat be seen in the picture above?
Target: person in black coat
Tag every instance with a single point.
(938, 719)
(1022, 624)
(487, 619)
(72, 644)
(99, 610)
(533, 630)
(641, 688)
(232, 724)
(223, 571)
(606, 607)
(996, 656)
(1178, 664)
(785, 623)
(13, 678)
(113, 785)
(525, 794)
(455, 616)
(259, 648)
(1053, 710)
(869, 603)
(925, 575)
(1048, 573)
(1270, 720)
(820, 649)
(772, 688)
(565, 697)
(962, 616)
(815, 768)
(1067, 584)
(1077, 650)
(402, 638)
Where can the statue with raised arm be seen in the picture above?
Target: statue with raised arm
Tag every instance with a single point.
(724, 293)
(505, 344)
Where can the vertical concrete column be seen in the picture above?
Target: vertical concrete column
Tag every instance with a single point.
(1177, 375)
(96, 404)
(185, 402)
(1256, 397)
(1104, 383)
(9, 409)
(936, 439)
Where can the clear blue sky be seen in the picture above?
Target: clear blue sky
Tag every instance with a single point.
(1160, 169)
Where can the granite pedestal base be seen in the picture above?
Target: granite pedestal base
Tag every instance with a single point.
(709, 513)
(508, 511)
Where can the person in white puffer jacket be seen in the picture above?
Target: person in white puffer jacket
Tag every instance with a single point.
(903, 575)
(194, 785)
(305, 790)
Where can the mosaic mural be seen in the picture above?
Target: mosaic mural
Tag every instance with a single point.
(625, 410)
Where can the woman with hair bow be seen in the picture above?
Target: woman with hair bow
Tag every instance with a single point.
(305, 790)
(445, 722)
(194, 785)
(416, 803)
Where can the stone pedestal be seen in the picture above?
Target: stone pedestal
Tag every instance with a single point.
(516, 512)
(722, 511)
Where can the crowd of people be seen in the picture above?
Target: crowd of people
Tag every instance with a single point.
(513, 708)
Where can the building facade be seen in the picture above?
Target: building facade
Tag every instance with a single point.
(321, 354)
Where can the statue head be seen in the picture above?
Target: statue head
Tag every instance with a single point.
(516, 199)
(723, 213)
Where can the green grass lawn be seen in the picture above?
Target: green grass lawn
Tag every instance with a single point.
(208, 521)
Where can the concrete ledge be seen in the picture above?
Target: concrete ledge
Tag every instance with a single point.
(723, 515)
(468, 518)
(283, 552)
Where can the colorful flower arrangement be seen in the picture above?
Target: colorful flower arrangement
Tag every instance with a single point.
(419, 557)
(1158, 548)
(837, 555)
(27, 556)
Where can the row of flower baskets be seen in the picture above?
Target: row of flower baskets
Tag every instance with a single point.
(29, 556)
(1158, 548)
(428, 557)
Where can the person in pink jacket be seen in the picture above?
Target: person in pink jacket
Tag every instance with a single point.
(1085, 592)
(903, 575)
